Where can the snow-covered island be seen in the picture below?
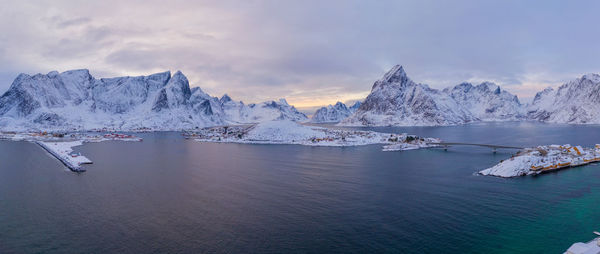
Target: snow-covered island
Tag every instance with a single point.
(289, 132)
(541, 159)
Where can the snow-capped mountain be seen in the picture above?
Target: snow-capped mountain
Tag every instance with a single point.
(76, 100)
(397, 100)
(577, 102)
(238, 112)
(335, 113)
(355, 106)
(487, 102)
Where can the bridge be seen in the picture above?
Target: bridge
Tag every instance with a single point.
(445, 145)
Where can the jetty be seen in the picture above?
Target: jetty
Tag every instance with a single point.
(64, 153)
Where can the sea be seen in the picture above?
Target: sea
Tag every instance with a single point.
(168, 194)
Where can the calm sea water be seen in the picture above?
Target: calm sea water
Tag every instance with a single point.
(170, 195)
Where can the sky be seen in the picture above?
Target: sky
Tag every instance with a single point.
(312, 53)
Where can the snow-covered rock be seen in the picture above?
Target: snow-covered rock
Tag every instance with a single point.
(74, 100)
(577, 102)
(334, 113)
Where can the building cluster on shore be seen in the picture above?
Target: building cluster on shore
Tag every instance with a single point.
(543, 159)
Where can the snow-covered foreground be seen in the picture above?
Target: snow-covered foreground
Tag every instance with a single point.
(289, 132)
(542, 159)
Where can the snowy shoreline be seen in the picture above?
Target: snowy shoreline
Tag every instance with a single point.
(288, 132)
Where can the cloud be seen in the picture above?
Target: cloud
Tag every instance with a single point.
(312, 52)
(62, 22)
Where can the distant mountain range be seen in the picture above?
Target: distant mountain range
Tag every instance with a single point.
(74, 100)
(395, 100)
(334, 113)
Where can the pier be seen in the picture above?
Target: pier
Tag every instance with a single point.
(445, 145)
(62, 150)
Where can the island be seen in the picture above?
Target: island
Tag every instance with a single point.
(542, 159)
(290, 132)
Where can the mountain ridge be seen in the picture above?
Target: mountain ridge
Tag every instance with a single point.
(396, 100)
(75, 100)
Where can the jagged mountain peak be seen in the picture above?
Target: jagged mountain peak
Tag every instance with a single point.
(355, 106)
(225, 98)
(340, 106)
(591, 77)
(396, 73)
(464, 85)
(75, 71)
(333, 113)
(394, 77)
(489, 86)
(197, 90)
(283, 101)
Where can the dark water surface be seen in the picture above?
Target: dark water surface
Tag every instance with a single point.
(170, 195)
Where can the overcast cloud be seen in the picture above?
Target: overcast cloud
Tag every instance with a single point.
(311, 52)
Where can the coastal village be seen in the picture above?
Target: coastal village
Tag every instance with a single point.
(542, 159)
